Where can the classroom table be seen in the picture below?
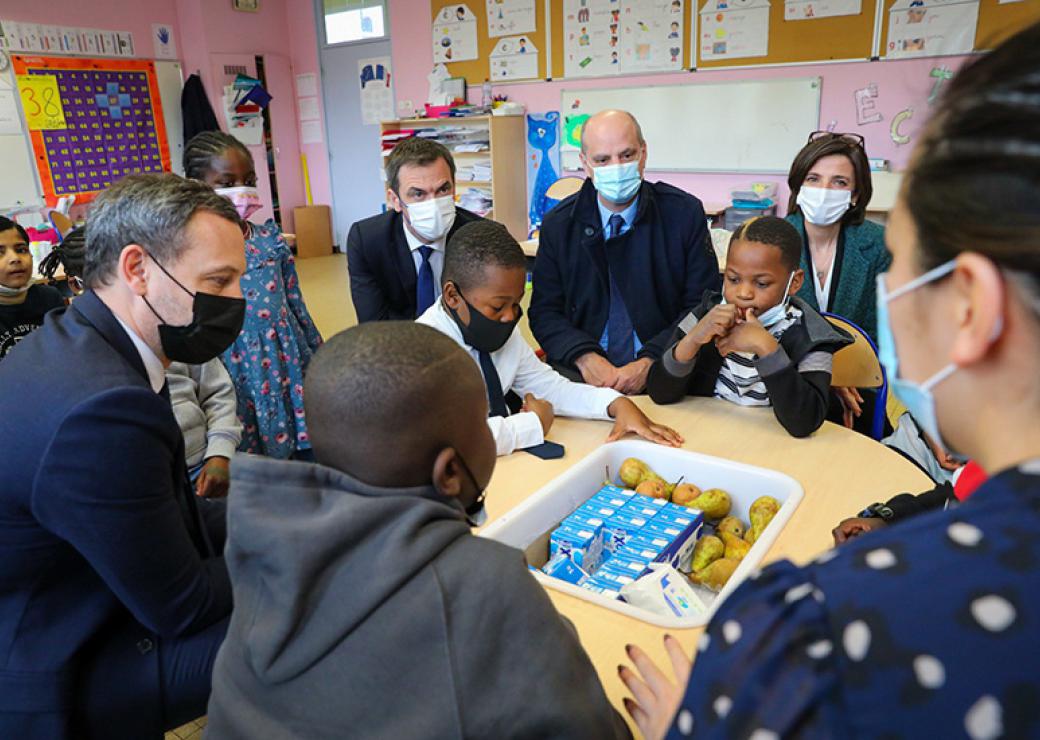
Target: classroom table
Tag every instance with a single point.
(841, 472)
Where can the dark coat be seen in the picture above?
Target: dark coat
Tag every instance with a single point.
(863, 256)
(374, 612)
(382, 272)
(98, 528)
(662, 266)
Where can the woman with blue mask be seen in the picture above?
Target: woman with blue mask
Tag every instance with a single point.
(924, 628)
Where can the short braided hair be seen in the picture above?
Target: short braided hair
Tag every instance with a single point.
(203, 148)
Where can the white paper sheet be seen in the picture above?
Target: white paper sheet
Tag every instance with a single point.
(651, 35)
(508, 17)
(918, 28)
(734, 29)
(124, 43)
(309, 110)
(513, 58)
(377, 93)
(609, 37)
(307, 84)
(163, 43)
(806, 10)
(10, 123)
(310, 132)
(454, 34)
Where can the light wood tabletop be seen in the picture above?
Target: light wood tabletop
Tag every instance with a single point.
(841, 472)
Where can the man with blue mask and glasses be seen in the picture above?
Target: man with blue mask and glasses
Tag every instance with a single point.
(619, 263)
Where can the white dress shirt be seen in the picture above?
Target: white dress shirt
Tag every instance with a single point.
(520, 370)
(152, 364)
(436, 256)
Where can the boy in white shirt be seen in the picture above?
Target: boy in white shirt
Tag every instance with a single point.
(484, 278)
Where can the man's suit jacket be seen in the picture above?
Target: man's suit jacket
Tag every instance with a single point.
(98, 529)
(382, 271)
(662, 266)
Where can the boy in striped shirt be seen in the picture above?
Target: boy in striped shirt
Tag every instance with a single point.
(756, 343)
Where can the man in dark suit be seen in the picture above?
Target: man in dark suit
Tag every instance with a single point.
(619, 263)
(395, 258)
(114, 596)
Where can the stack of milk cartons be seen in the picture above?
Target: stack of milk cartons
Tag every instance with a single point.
(610, 540)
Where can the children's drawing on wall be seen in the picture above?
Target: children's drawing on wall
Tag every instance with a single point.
(732, 29)
(163, 44)
(608, 37)
(377, 95)
(931, 27)
(454, 34)
(513, 58)
(897, 122)
(866, 112)
(805, 10)
(543, 163)
(650, 31)
(508, 17)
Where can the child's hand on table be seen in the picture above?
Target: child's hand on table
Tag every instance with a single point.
(714, 324)
(629, 418)
(854, 527)
(543, 409)
(656, 698)
(214, 480)
(747, 335)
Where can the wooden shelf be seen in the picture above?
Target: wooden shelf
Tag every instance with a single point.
(506, 152)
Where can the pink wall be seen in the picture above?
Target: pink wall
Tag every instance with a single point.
(900, 85)
(201, 28)
(281, 27)
(136, 16)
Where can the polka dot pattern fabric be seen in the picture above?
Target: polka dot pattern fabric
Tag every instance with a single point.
(929, 629)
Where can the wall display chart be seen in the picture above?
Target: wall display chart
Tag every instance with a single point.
(110, 124)
(611, 37)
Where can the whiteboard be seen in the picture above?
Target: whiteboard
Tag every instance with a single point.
(743, 126)
(20, 183)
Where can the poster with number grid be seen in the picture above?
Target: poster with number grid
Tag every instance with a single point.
(113, 124)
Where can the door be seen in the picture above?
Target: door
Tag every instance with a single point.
(355, 161)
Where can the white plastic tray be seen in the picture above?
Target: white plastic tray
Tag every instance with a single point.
(543, 510)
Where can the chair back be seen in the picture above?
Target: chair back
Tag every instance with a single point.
(857, 365)
(564, 187)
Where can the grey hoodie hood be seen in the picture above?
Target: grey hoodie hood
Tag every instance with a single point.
(292, 524)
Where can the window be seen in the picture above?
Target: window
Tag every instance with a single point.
(354, 20)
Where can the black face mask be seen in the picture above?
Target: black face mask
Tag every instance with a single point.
(483, 334)
(216, 322)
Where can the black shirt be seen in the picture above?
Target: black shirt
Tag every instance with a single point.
(17, 321)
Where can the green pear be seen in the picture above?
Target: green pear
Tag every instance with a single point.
(732, 525)
(715, 503)
(716, 574)
(762, 511)
(707, 550)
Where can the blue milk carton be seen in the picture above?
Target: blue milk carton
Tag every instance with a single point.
(620, 527)
(584, 545)
(628, 561)
(612, 496)
(638, 508)
(679, 552)
(608, 588)
(561, 566)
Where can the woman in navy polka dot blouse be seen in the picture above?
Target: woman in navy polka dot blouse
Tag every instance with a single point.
(929, 628)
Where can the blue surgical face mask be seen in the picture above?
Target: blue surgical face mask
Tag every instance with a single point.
(772, 315)
(617, 183)
(917, 397)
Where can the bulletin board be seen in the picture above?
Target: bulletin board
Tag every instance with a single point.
(113, 123)
(477, 70)
(558, 64)
(996, 21)
(845, 37)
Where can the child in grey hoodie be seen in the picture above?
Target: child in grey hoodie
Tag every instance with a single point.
(364, 607)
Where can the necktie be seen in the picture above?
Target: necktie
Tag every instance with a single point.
(496, 399)
(424, 287)
(621, 348)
